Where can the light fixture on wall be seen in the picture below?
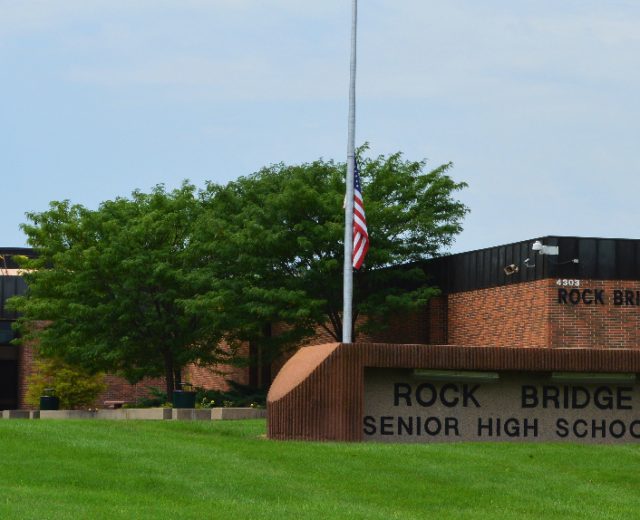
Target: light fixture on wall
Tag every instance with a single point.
(463, 376)
(528, 263)
(593, 377)
(572, 261)
(511, 269)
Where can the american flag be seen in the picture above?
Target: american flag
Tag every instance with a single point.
(360, 235)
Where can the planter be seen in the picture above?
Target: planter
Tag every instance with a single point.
(184, 399)
(49, 402)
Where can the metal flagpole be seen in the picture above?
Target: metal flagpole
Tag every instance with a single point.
(348, 215)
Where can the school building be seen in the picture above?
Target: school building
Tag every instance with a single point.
(547, 292)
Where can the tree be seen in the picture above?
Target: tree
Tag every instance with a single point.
(145, 285)
(110, 286)
(278, 238)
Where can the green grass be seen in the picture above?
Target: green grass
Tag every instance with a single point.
(183, 470)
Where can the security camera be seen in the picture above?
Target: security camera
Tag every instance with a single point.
(544, 250)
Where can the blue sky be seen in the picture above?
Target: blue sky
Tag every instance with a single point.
(535, 102)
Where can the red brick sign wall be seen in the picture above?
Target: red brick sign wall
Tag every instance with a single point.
(321, 392)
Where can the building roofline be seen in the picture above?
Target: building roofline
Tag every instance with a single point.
(578, 258)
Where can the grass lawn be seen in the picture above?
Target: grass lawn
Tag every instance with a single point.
(183, 470)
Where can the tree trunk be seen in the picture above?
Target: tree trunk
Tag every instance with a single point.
(169, 374)
(177, 378)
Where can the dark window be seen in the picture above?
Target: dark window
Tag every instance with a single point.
(6, 333)
(8, 384)
(10, 286)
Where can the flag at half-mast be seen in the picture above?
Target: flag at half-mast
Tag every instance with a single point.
(360, 234)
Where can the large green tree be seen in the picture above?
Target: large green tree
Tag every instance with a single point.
(109, 286)
(145, 285)
(278, 242)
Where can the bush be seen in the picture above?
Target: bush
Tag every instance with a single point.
(237, 396)
(74, 386)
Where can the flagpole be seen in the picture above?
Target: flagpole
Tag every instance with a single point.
(348, 214)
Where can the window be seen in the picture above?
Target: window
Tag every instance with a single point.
(6, 332)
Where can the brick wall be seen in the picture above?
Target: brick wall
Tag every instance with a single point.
(411, 327)
(597, 314)
(118, 389)
(25, 368)
(511, 315)
(216, 377)
(438, 318)
(213, 378)
(26, 358)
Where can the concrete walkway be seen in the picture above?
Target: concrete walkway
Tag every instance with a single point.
(145, 414)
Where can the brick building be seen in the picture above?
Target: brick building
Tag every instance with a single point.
(551, 292)
(548, 292)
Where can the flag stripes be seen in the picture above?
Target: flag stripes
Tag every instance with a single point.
(360, 234)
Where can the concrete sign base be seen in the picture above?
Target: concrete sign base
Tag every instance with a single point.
(426, 393)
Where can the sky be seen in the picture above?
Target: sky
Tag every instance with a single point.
(535, 102)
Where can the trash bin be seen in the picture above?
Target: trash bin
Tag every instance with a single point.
(185, 398)
(49, 401)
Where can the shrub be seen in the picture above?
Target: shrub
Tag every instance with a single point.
(237, 396)
(74, 386)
